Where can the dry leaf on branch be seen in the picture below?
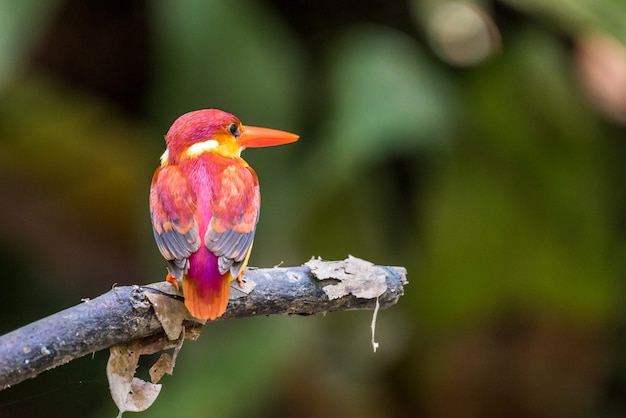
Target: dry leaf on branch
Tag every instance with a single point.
(131, 393)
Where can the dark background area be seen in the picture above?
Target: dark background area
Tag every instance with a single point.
(478, 144)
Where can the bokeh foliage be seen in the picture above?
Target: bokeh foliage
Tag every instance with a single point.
(498, 185)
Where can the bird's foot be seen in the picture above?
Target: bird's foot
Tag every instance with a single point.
(172, 280)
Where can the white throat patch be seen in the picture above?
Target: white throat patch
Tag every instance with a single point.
(201, 147)
(164, 158)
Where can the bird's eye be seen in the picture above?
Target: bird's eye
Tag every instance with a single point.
(233, 128)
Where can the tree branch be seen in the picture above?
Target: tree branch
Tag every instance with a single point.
(126, 313)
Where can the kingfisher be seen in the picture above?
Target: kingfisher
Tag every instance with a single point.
(204, 205)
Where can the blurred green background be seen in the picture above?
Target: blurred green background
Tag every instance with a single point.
(480, 144)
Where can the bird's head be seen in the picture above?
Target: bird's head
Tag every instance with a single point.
(212, 130)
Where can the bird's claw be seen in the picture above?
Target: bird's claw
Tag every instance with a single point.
(172, 280)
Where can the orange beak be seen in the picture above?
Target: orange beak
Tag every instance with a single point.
(255, 137)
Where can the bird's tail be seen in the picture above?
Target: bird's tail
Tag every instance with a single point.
(206, 302)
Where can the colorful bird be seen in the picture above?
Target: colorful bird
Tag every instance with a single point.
(204, 205)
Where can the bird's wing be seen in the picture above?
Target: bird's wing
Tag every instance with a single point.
(172, 206)
(235, 212)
